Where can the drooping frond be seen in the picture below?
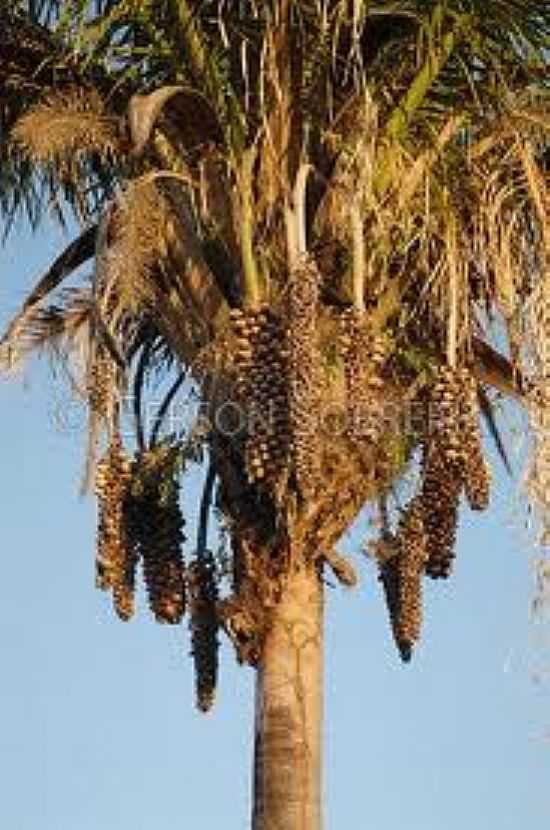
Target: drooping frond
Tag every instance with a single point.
(77, 253)
(151, 259)
(61, 329)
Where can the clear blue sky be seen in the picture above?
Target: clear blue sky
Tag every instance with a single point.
(97, 725)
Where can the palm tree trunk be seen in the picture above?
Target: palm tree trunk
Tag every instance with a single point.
(287, 751)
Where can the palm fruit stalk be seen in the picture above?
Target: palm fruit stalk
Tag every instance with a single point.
(203, 598)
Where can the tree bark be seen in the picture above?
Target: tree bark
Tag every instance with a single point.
(289, 683)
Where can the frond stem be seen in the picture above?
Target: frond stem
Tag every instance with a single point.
(163, 409)
(359, 259)
(204, 511)
(299, 205)
(137, 396)
(251, 286)
(399, 119)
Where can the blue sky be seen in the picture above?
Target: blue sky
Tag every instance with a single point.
(97, 725)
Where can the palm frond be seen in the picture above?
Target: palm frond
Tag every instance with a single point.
(37, 58)
(207, 71)
(489, 416)
(75, 255)
(61, 328)
(150, 260)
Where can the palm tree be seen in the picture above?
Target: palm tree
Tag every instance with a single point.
(318, 218)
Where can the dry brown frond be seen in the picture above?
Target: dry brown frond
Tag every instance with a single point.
(150, 258)
(58, 327)
(513, 244)
(65, 124)
(140, 222)
(538, 464)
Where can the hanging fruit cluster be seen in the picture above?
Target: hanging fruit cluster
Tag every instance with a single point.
(277, 385)
(261, 393)
(303, 367)
(101, 381)
(116, 558)
(139, 517)
(477, 477)
(281, 386)
(401, 577)
(363, 356)
(156, 527)
(424, 543)
(203, 599)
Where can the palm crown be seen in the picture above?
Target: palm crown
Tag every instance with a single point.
(317, 214)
